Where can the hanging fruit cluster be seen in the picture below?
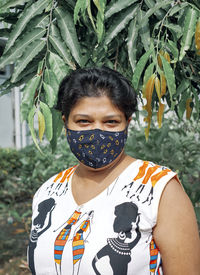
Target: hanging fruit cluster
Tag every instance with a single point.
(157, 81)
(197, 37)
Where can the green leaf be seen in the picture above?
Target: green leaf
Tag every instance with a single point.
(57, 127)
(68, 32)
(154, 9)
(12, 3)
(117, 6)
(31, 126)
(177, 8)
(50, 94)
(144, 30)
(50, 78)
(58, 66)
(188, 31)
(174, 27)
(139, 68)
(100, 18)
(31, 51)
(27, 14)
(41, 124)
(120, 23)
(197, 104)
(58, 44)
(182, 104)
(81, 6)
(159, 12)
(148, 72)
(174, 50)
(39, 21)
(132, 45)
(184, 85)
(28, 96)
(171, 84)
(48, 120)
(19, 47)
(90, 14)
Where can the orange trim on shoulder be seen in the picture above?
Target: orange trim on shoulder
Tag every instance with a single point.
(155, 178)
(67, 174)
(150, 171)
(58, 176)
(142, 171)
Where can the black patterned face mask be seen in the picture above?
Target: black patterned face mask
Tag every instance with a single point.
(96, 148)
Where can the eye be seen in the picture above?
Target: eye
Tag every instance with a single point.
(82, 121)
(112, 121)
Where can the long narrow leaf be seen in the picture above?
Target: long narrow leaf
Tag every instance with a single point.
(39, 21)
(57, 127)
(118, 6)
(132, 39)
(139, 69)
(177, 8)
(197, 103)
(100, 4)
(156, 8)
(68, 32)
(81, 6)
(90, 14)
(30, 53)
(174, 50)
(58, 44)
(188, 31)
(48, 120)
(41, 124)
(28, 96)
(120, 23)
(19, 47)
(50, 94)
(31, 126)
(12, 3)
(58, 66)
(144, 30)
(25, 17)
(159, 12)
(171, 84)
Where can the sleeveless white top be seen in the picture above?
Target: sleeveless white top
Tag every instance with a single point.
(110, 234)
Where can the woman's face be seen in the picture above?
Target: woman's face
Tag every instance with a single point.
(96, 113)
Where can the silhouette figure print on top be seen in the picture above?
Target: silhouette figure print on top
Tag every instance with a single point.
(119, 251)
(44, 208)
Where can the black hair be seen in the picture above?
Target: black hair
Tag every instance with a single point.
(96, 82)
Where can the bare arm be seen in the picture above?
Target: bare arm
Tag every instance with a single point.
(176, 232)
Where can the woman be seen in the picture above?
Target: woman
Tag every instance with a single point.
(142, 220)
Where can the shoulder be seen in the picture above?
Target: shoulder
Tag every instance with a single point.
(176, 232)
(56, 184)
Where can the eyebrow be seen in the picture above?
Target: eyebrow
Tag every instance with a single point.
(105, 117)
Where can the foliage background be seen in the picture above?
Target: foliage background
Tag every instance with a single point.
(175, 145)
(155, 43)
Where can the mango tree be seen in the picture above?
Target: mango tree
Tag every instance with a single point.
(155, 43)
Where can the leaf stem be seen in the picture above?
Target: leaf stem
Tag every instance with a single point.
(47, 51)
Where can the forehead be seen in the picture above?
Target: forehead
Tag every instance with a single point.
(90, 105)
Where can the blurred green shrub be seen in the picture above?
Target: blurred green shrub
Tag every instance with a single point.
(23, 171)
(177, 146)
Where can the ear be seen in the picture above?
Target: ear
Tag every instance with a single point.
(64, 119)
(129, 120)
